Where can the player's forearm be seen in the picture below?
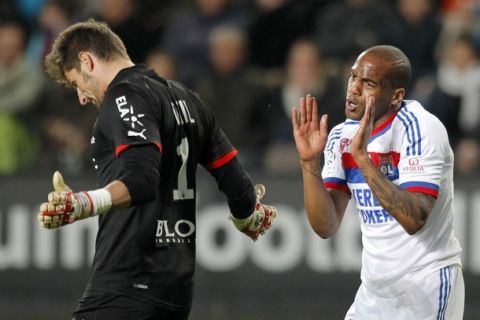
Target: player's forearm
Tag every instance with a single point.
(120, 195)
(409, 209)
(321, 211)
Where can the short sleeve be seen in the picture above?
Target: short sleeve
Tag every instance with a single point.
(333, 173)
(128, 118)
(423, 153)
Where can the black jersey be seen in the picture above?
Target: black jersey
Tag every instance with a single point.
(148, 250)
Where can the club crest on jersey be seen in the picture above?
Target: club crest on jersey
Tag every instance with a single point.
(386, 164)
(180, 231)
(128, 114)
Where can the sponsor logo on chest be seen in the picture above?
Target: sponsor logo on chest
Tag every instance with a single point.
(180, 231)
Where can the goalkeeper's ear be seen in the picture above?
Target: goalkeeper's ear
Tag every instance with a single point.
(58, 183)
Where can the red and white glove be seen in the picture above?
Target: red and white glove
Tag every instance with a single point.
(260, 220)
(65, 207)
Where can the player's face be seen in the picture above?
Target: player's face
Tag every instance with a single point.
(368, 78)
(88, 88)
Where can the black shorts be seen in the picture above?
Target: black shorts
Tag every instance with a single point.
(107, 306)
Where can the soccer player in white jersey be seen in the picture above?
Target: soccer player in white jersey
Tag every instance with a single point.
(394, 159)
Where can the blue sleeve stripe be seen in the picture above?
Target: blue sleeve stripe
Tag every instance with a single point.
(334, 135)
(415, 130)
(335, 180)
(419, 184)
(407, 128)
(418, 131)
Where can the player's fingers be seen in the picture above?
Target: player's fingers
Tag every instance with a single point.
(58, 182)
(51, 209)
(308, 102)
(303, 111)
(371, 102)
(324, 126)
(58, 197)
(270, 214)
(365, 119)
(44, 221)
(314, 113)
(50, 221)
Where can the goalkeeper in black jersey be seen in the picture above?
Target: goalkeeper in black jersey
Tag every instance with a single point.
(149, 137)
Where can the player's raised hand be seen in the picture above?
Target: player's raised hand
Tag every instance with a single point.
(310, 134)
(64, 206)
(260, 220)
(358, 146)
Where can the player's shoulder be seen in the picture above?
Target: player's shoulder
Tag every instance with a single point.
(414, 114)
(343, 128)
(136, 81)
(121, 89)
(340, 133)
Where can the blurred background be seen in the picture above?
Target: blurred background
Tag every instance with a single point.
(250, 60)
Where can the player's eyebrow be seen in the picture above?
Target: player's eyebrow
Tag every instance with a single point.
(370, 81)
(353, 72)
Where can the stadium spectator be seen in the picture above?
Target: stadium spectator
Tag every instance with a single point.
(125, 18)
(186, 35)
(456, 100)
(353, 25)
(459, 17)
(163, 63)
(54, 17)
(276, 24)
(231, 88)
(417, 31)
(305, 72)
(20, 87)
(64, 130)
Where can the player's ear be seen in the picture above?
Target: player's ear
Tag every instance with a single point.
(86, 60)
(398, 95)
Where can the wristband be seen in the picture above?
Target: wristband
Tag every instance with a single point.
(101, 200)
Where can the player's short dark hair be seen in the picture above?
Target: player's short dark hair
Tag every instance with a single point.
(92, 36)
(401, 72)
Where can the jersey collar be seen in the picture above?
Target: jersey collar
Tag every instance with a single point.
(385, 126)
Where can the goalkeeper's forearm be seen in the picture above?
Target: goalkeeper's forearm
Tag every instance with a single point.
(100, 201)
(114, 196)
(237, 186)
(120, 196)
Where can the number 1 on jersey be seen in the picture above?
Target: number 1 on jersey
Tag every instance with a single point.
(183, 193)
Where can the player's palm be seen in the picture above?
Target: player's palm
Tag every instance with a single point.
(358, 146)
(310, 134)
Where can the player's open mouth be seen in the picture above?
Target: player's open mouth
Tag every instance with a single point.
(350, 105)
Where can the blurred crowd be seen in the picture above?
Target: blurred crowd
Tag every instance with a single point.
(250, 60)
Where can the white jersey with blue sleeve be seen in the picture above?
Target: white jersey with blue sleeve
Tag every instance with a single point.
(412, 149)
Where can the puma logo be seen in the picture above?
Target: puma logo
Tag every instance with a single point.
(131, 133)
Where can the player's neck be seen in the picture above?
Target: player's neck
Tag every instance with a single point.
(112, 68)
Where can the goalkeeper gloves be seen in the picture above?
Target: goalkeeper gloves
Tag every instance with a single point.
(260, 220)
(65, 207)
